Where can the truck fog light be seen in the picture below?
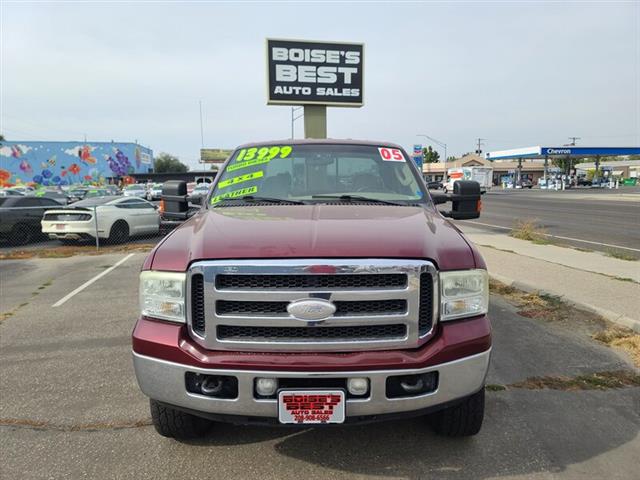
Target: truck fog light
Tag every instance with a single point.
(358, 386)
(266, 387)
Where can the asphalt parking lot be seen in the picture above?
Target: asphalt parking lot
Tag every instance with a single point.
(71, 407)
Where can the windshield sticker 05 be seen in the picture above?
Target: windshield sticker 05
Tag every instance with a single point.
(235, 193)
(391, 154)
(240, 179)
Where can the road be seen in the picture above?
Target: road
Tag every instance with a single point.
(588, 219)
(71, 407)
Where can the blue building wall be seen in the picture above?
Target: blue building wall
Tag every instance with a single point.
(66, 163)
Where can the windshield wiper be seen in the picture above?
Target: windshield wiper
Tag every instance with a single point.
(252, 198)
(357, 198)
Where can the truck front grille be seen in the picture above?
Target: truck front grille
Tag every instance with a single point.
(380, 304)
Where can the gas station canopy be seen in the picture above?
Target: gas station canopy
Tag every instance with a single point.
(571, 151)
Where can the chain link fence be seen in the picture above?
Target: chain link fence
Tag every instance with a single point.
(40, 223)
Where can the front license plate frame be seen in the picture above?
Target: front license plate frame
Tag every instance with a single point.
(311, 407)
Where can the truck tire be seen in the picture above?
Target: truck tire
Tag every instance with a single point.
(461, 420)
(173, 423)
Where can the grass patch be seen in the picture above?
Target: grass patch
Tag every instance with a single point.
(623, 338)
(624, 279)
(592, 381)
(71, 250)
(531, 231)
(621, 255)
(494, 388)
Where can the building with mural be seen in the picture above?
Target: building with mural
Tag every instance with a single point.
(67, 163)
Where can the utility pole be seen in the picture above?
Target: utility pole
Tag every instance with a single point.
(573, 140)
(480, 144)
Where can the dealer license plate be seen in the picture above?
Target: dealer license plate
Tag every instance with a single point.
(311, 406)
(60, 226)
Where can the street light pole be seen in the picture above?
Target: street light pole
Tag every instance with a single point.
(294, 118)
(443, 145)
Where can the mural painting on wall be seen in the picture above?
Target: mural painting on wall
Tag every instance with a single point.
(59, 164)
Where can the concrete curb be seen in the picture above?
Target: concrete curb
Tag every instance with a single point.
(614, 317)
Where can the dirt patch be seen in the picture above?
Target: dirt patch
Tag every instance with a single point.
(81, 427)
(71, 250)
(621, 255)
(531, 231)
(623, 338)
(593, 381)
(553, 309)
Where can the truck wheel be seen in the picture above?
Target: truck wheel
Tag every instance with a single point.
(461, 420)
(173, 423)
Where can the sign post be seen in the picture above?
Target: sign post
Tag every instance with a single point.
(315, 75)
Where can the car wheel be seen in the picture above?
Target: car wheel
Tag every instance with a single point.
(21, 234)
(461, 420)
(173, 423)
(119, 232)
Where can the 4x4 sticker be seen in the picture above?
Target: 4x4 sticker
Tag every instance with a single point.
(391, 154)
(235, 193)
(240, 179)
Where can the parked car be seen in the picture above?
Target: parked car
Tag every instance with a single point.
(135, 190)
(434, 185)
(20, 218)
(525, 183)
(328, 268)
(201, 190)
(154, 191)
(9, 192)
(116, 219)
(583, 182)
(59, 196)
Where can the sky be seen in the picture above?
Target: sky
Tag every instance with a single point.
(513, 73)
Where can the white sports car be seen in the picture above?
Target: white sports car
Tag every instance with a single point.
(114, 219)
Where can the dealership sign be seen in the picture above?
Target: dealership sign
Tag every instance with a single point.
(314, 73)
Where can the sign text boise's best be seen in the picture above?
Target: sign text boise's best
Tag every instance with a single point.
(322, 73)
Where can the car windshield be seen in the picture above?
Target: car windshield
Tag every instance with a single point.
(134, 187)
(319, 173)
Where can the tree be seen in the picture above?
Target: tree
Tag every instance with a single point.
(167, 163)
(1, 138)
(430, 155)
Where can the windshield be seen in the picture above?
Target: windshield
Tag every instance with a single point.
(134, 187)
(308, 172)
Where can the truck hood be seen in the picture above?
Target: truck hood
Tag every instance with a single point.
(314, 231)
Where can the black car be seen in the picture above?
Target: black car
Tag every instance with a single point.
(20, 218)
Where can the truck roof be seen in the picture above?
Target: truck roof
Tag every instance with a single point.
(322, 141)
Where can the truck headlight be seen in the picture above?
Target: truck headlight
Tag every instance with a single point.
(463, 293)
(162, 295)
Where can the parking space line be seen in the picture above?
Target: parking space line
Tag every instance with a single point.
(93, 280)
(560, 237)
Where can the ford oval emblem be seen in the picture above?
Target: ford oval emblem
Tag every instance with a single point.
(311, 309)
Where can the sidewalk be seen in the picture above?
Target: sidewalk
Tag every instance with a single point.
(587, 279)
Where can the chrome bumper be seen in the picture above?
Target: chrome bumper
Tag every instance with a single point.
(165, 381)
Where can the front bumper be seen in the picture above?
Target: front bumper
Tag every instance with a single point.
(163, 354)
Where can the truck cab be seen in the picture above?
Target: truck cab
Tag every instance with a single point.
(318, 284)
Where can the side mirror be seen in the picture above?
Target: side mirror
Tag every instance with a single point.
(174, 197)
(466, 203)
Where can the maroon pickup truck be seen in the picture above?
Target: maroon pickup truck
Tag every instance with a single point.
(318, 284)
